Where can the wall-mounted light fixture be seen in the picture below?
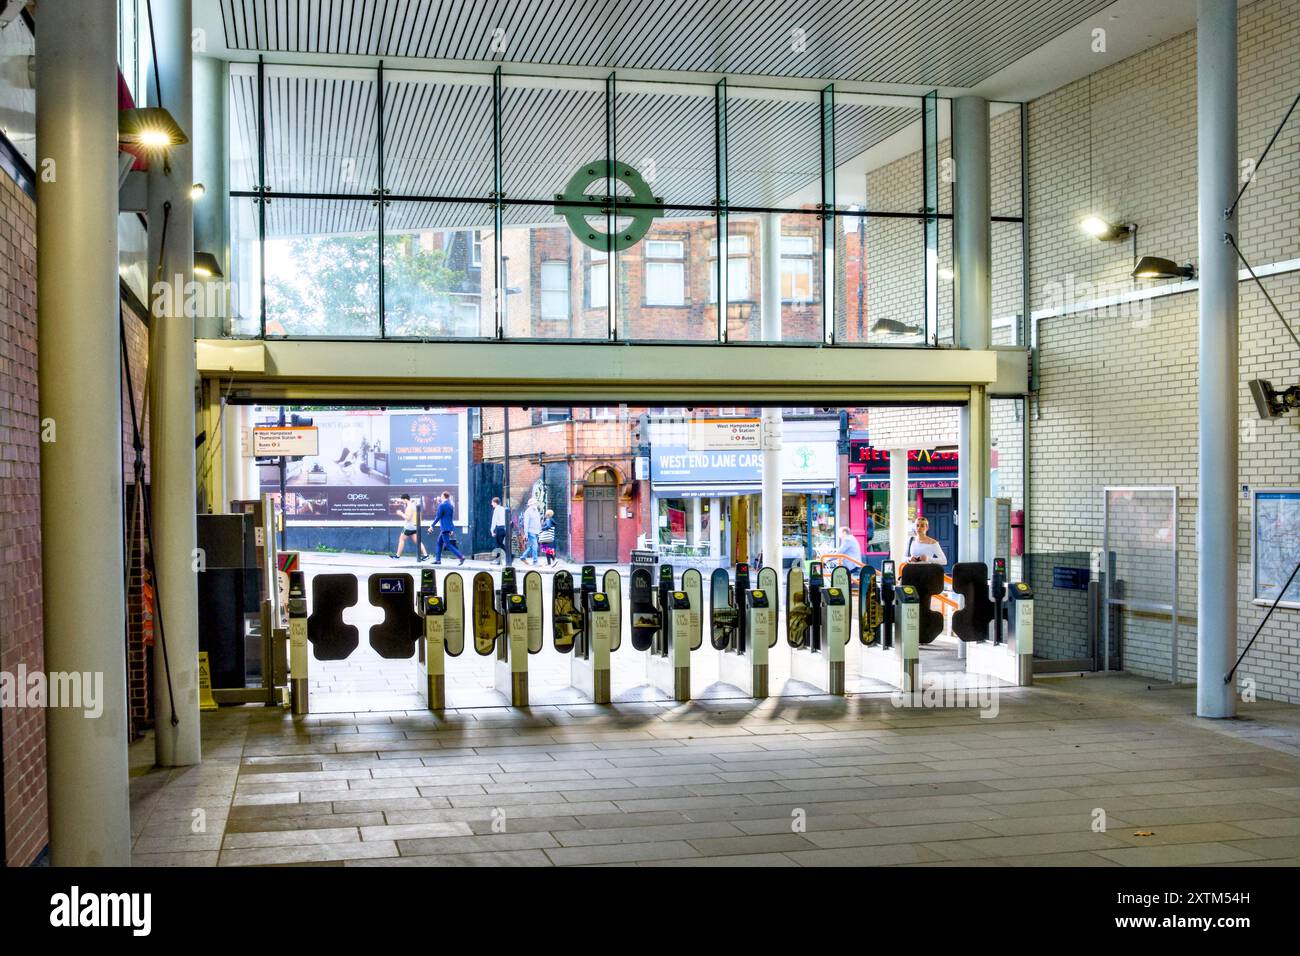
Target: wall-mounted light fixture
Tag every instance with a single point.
(1105, 230)
(149, 127)
(945, 273)
(895, 327)
(197, 191)
(206, 266)
(1271, 403)
(1156, 267)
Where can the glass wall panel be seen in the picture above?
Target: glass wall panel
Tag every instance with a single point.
(439, 268)
(668, 282)
(880, 265)
(322, 130)
(666, 133)
(322, 268)
(554, 286)
(1007, 433)
(773, 148)
(792, 267)
(133, 255)
(245, 307)
(550, 127)
(242, 122)
(1008, 283)
(438, 134)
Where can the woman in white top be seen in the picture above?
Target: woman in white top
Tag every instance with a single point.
(923, 549)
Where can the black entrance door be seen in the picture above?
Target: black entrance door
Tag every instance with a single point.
(600, 524)
(943, 526)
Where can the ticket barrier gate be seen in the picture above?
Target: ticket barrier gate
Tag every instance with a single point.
(889, 627)
(818, 626)
(324, 634)
(667, 624)
(444, 634)
(1006, 653)
(298, 643)
(508, 623)
(743, 626)
(588, 625)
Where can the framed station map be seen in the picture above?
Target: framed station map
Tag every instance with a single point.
(1275, 545)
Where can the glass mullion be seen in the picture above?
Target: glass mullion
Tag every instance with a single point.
(261, 189)
(499, 291)
(930, 176)
(379, 192)
(611, 209)
(827, 214)
(720, 202)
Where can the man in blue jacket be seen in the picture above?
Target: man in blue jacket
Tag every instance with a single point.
(445, 525)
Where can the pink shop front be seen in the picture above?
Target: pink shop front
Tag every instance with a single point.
(932, 493)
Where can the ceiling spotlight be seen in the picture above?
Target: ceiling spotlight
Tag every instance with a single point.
(1104, 229)
(206, 266)
(946, 274)
(150, 127)
(197, 191)
(1155, 267)
(1269, 402)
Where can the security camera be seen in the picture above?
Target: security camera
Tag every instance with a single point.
(1269, 402)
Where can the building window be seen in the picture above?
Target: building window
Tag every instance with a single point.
(476, 249)
(797, 269)
(597, 279)
(737, 269)
(555, 290)
(551, 415)
(604, 413)
(665, 272)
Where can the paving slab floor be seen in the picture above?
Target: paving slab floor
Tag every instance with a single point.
(1076, 771)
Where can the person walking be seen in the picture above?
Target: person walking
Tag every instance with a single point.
(410, 515)
(923, 549)
(444, 520)
(532, 528)
(546, 537)
(498, 524)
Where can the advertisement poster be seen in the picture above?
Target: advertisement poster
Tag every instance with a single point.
(367, 459)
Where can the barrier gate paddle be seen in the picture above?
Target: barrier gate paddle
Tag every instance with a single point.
(589, 626)
(509, 623)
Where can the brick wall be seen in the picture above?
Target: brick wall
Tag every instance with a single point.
(1117, 403)
(21, 636)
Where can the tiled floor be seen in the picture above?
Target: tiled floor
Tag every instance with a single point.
(806, 781)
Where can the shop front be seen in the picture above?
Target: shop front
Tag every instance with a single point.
(932, 493)
(707, 501)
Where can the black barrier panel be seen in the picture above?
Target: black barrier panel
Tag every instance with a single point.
(970, 579)
(928, 581)
(645, 613)
(395, 637)
(330, 638)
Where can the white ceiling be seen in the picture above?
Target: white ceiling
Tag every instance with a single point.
(1006, 49)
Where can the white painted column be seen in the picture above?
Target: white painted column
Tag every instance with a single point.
(80, 400)
(715, 527)
(898, 504)
(1216, 510)
(773, 425)
(171, 409)
(972, 265)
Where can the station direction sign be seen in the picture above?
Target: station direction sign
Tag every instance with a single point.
(724, 434)
(290, 440)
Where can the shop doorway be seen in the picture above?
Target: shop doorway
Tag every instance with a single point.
(600, 517)
(941, 511)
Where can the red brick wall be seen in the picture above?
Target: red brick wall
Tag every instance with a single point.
(21, 636)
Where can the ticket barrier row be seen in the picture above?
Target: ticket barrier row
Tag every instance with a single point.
(667, 625)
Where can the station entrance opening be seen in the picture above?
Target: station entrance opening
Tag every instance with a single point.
(459, 556)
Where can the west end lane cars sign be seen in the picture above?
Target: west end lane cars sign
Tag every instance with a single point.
(368, 459)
